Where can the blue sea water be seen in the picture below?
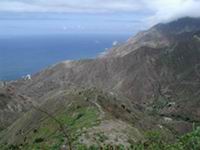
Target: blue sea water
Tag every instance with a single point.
(22, 55)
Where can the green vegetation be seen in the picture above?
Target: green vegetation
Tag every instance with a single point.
(154, 141)
(49, 137)
(77, 117)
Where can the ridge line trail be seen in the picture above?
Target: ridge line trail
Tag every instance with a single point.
(102, 113)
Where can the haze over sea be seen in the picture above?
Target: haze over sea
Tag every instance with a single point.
(22, 55)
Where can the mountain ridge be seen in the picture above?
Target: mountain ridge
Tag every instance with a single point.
(152, 80)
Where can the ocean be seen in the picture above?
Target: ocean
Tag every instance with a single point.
(22, 55)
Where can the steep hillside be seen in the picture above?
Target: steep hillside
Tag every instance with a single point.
(150, 82)
(12, 105)
(74, 116)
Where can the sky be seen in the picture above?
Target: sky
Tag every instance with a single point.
(90, 16)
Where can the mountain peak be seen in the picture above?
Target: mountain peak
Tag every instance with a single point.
(186, 24)
(159, 36)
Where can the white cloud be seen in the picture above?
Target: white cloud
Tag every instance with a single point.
(154, 10)
(167, 10)
(69, 5)
(18, 6)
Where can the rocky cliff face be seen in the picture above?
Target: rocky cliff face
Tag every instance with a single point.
(155, 74)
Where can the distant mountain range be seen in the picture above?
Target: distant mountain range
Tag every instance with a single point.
(151, 82)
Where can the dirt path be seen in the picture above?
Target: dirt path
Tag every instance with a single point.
(102, 113)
